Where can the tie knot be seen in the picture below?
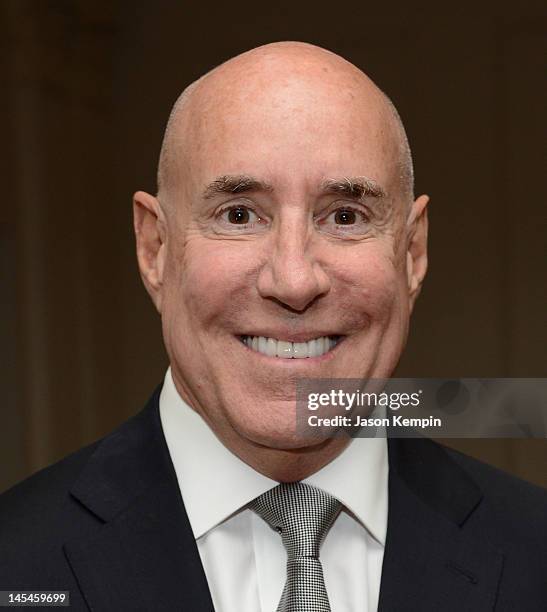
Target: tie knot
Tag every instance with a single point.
(301, 513)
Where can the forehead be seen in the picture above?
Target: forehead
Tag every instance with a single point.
(303, 125)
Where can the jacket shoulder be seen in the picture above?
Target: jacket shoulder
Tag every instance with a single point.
(516, 494)
(36, 504)
(512, 512)
(36, 517)
(62, 503)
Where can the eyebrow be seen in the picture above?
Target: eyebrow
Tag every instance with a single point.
(234, 184)
(357, 188)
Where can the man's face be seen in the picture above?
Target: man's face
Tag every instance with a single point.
(286, 238)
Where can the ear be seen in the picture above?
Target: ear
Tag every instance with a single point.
(150, 235)
(416, 256)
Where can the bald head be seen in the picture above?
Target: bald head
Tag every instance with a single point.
(297, 75)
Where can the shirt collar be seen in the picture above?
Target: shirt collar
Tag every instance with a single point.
(358, 478)
(215, 483)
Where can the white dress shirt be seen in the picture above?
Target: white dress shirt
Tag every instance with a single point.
(243, 558)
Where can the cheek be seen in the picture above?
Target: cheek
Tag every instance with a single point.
(208, 282)
(368, 280)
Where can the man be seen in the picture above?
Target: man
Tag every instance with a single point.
(284, 243)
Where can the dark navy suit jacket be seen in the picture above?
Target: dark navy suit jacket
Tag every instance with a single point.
(108, 524)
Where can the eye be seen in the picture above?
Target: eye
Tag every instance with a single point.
(345, 219)
(345, 216)
(239, 217)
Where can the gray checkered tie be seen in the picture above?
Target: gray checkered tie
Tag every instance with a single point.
(302, 515)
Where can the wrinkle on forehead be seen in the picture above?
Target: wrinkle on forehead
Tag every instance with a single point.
(276, 73)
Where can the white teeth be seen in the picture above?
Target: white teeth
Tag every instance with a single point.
(262, 344)
(271, 347)
(284, 349)
(322, 345)
(313, 348)
(290, 350)
(300, 350)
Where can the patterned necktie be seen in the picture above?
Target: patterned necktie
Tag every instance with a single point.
(302, 515)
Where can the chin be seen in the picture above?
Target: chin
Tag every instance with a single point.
(280, 437)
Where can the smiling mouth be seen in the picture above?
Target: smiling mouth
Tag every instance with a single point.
(271, 347)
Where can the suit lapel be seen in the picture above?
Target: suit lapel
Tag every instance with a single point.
(431, 561)
(143, 556)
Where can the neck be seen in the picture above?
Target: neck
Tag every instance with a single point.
(286, 465)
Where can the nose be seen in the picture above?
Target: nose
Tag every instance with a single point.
(292, 274)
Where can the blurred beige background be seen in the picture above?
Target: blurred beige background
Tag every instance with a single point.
(87, 87)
